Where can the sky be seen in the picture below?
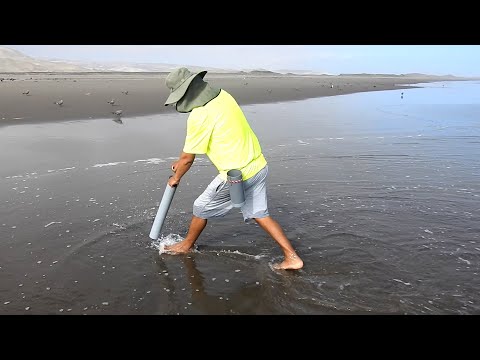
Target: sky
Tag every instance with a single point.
(459, 60)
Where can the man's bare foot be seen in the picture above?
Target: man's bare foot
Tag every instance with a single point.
(291, 262)
(178, 248)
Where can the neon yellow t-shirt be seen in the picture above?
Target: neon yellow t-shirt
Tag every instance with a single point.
(220, 130)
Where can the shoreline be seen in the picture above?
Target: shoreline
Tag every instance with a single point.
(86, 96)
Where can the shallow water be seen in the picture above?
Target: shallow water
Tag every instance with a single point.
(378, 193)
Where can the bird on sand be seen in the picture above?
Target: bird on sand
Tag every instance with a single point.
(118, 115)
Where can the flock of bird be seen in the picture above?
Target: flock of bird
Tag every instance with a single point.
(117, 113)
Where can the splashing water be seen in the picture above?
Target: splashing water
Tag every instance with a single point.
(170, 239)
(274, 262)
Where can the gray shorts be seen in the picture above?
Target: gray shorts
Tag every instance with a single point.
(215, 200)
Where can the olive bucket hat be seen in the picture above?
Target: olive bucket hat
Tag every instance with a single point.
(178, 81)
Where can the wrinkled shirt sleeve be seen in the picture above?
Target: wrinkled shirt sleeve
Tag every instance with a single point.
(199, 132)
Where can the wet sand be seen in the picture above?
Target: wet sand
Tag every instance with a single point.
(86, 96)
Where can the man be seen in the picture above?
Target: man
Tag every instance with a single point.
(218, 128)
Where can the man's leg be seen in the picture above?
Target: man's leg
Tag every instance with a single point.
(213, 202)
(292, 261)
(196, 227)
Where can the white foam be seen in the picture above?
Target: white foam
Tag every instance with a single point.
(53, 222)
(400, 281)
(109, 164)
(153, 161)
(170, 239)
(68, 168)
(256, 257)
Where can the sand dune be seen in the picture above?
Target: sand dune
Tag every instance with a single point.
(12, 61)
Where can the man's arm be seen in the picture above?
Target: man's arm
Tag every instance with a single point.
(180, 167)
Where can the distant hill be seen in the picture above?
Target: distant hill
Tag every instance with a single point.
(263, 72)
(14, 61)
(301, 72)
(142, 67)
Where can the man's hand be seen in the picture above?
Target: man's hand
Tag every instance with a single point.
(173, 181)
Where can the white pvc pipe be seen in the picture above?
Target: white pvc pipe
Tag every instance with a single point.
(162, 211)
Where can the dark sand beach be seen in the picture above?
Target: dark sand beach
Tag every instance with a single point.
(86, 96)
(377, 190)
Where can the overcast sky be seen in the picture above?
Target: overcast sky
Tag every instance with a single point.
(460, 60)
